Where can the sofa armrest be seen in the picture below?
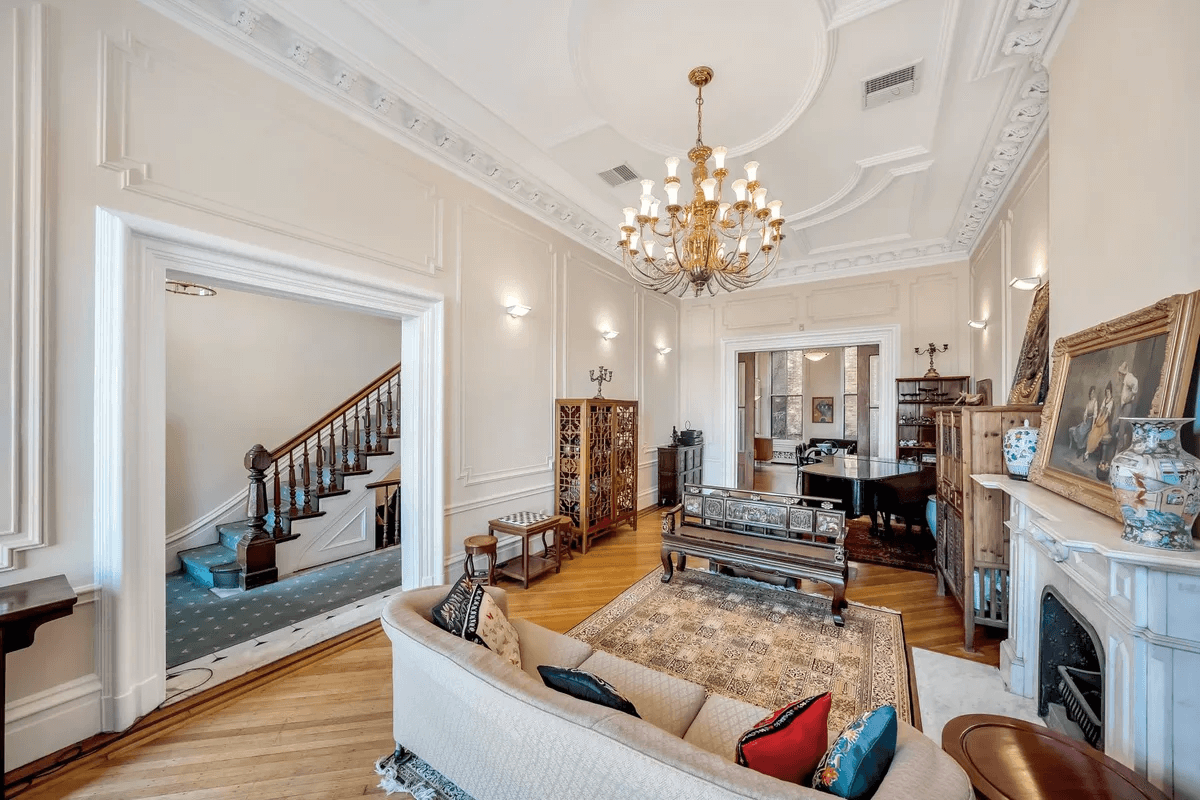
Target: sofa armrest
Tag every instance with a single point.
(541, 646)
(922, 769)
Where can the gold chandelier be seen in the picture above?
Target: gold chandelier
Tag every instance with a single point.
(707, 243)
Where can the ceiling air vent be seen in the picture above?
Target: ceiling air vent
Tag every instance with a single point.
(895, 85)
(622, 173)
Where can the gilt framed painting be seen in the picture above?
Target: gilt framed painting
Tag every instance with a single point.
(1138, 365)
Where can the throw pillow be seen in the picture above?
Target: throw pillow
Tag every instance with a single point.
(451, 612)
(586, 686)
(788, 744)
(487, 625)
(855, 765)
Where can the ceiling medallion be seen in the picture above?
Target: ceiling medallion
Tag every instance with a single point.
(706, 244)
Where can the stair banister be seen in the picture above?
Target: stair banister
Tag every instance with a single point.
(256, 548)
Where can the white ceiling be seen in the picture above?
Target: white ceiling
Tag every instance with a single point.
(533, 98)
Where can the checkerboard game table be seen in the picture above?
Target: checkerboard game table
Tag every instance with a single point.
(527, 525)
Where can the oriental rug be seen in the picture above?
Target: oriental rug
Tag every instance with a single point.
(904, 550)
(755, 642)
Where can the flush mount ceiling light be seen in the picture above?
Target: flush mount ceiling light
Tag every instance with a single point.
(977, 324)
(193, 289)
(662, 351)
(815, 355)
(518, 310)
(606, 335)
(1026, 284)
(706, 243)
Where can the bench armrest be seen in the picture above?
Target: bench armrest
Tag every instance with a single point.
(669, 520)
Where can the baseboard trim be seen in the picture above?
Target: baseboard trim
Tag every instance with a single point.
(209, 519)
(65, 762)
(53, 718)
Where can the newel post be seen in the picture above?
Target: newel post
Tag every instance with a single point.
(256, 549)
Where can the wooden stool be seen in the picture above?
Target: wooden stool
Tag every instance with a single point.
(480, 545)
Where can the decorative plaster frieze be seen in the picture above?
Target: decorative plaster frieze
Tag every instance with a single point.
(245, 20)
(299, 52)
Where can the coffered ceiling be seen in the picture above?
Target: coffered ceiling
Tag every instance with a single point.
(532, 99)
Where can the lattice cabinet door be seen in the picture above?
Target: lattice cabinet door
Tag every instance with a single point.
(625, 460)
(596, 465)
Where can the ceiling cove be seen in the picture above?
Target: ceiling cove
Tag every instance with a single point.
(912, 184)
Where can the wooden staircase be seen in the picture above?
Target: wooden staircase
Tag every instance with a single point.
(287, 485)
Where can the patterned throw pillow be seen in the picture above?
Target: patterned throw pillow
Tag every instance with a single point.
(788, 744)
(586, 686)
(451, 613)
(487, 625)
(855, 765)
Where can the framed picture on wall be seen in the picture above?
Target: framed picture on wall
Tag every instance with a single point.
(1138, 365)
(822, 409)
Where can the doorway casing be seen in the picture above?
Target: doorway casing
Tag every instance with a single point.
(134, 256)
(886, 336)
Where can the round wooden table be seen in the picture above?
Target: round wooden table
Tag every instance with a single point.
(1009, 759)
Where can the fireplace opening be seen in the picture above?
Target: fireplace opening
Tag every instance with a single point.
(1070, 672)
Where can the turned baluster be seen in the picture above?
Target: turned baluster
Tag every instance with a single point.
(345, 446)
(358, 464)
(332, 458)
(256, 549)
(277, 528)
(391, 430)
(379, 419)
(320, 466)
(307, 473)
(292, 510)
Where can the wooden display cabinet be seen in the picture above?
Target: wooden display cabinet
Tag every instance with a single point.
(916, 398)
(972, 540)
(596, 465)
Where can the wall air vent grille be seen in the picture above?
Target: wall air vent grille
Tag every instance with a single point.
(895, 85)
(618, 175)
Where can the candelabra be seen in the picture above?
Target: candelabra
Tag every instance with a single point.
(605, 375)
(930, 351)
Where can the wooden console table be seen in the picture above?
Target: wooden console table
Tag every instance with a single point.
(528, 525)
(1010, 759)
(24, 607)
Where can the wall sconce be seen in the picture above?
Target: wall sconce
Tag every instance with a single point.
(662, 351)
(1026, 284)
(977, 324)
(607, 335)
(518, 310)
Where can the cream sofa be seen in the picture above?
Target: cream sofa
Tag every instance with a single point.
(498, 732)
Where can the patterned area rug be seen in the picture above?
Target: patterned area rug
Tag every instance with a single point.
(755, 642)
(904, 550)
(407, 774)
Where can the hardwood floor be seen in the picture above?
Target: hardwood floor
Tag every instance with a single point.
(315, 731)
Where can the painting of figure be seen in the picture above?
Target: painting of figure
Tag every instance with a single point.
(1103, 388)
(823, 409)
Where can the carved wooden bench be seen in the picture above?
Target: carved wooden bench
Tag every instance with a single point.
(792, 536)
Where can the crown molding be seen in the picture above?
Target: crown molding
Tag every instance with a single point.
(279, 49)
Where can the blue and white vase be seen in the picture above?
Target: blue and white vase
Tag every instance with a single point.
(1020, 446)
(1157, 485)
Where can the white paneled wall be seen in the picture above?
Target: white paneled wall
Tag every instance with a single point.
(153, 121)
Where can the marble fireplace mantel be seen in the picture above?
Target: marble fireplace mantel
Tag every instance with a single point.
(1144, 605)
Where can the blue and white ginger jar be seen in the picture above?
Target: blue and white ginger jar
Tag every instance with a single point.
(1020, 446)
(1157, 485)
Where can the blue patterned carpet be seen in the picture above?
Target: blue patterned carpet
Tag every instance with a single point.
(199, 623)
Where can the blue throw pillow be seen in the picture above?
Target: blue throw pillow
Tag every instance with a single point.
(855, 765)
(586, 686)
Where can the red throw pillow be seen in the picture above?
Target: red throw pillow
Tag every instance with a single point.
(790, 743)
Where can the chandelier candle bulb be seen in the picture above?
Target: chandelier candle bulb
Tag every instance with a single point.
(709, 185)
(776, 207)
(739, 190)
(629, 214)
(766, 237)
(719, 157)
(722, 210)
(760, 198)
(633, 242)
(645, 204)
(672, 165)
(654, 209)
(647, 187)
(742, 245)
(649, 249)
(672, 194)
(751, 171)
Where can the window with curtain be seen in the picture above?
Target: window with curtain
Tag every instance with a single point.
(850, 393)
(787, 394)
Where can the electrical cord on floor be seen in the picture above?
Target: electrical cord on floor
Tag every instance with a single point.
(76, 752)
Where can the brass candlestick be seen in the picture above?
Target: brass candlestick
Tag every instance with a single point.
(930, 351)
(605, 375)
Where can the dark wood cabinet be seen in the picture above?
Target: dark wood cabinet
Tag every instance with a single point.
(677, 465)
(596, 465)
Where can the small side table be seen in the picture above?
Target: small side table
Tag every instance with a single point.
(528, 524)
(1010, 759)
(23, 607)
(480, 546)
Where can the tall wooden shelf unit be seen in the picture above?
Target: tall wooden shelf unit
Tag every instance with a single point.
(596, 465)
(972, 541)
(917, 398)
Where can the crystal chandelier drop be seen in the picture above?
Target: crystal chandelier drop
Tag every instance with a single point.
(707, 243)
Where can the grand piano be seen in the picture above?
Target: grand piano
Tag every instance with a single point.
(870, 486)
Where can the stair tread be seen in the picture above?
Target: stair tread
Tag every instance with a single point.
(209, 556)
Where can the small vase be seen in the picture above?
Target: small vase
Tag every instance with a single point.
(1157, 485)
(1020, 446)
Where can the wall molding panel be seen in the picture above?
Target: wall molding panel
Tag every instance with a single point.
(118, 62)
(22, 357)
(863, 300)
